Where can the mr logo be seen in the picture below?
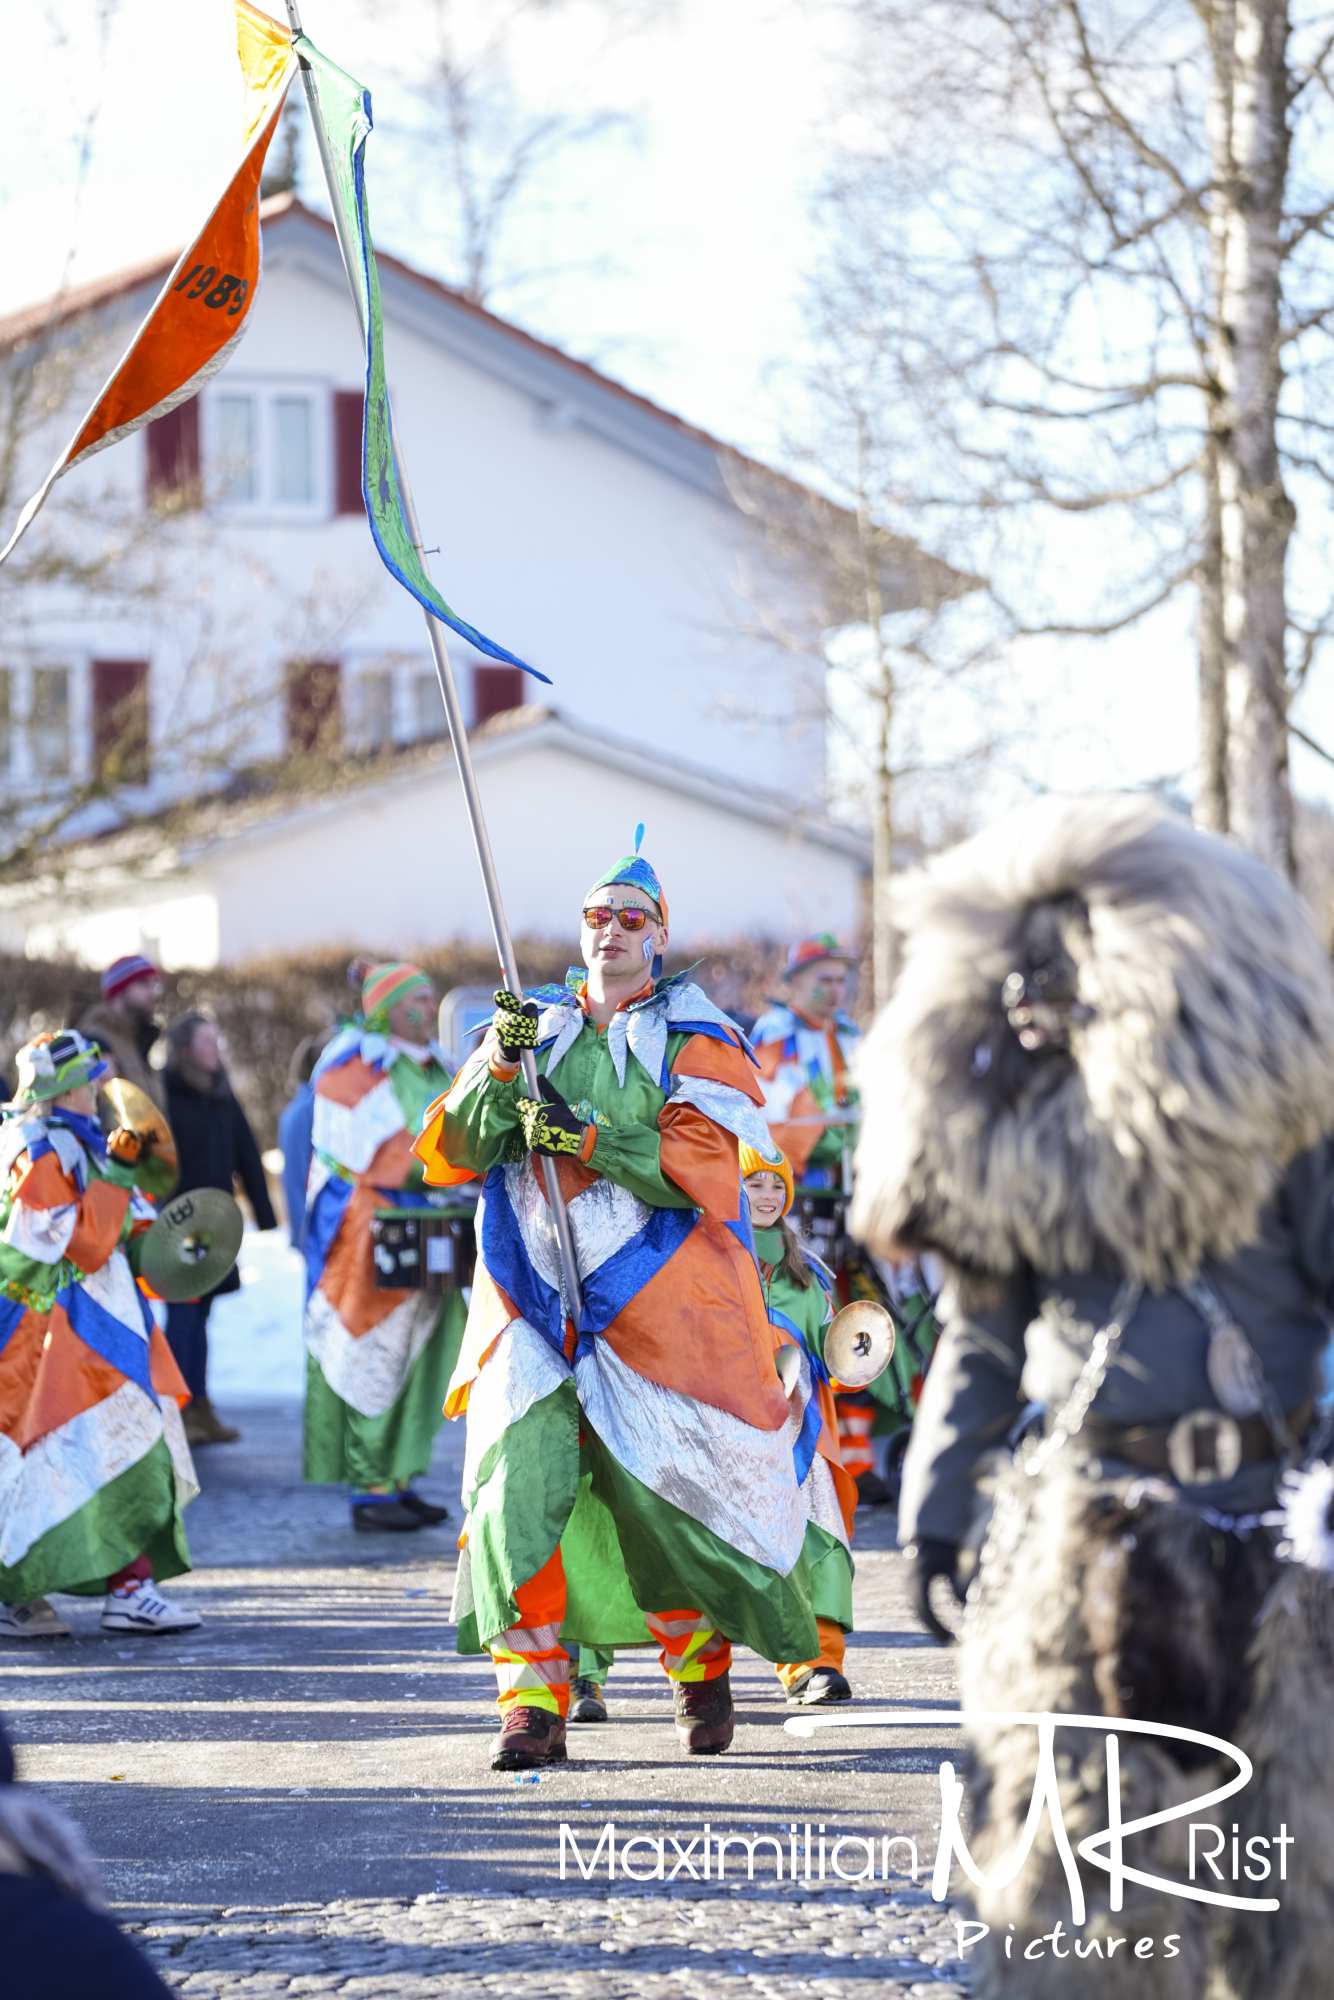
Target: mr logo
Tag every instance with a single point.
(1103, 1849)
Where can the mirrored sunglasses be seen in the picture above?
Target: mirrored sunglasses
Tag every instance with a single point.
(598, 915)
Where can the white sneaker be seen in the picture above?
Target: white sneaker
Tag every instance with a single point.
(145, 1609)
(37, 1620)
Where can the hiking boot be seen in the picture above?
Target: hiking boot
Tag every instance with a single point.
(528, 1736)
(820, 1686)
(35, 1620)
(429, 1515)
(145, 1609)
(203, 1425)
(872, 1491)
(586, 1703)
(705, 1717)
(385, 1517)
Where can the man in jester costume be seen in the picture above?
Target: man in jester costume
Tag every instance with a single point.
(633, 1482)
(94, 1466)
(806, 1043)
(378, 1361)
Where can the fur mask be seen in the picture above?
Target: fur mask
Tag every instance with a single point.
(1188, 1055)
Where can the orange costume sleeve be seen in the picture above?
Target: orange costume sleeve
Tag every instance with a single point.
(102, 1209)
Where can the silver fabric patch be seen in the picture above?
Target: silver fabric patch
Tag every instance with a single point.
(728, 1107)
(62, 1471)
(41, 1233)
(603, 1219)
(520, 1370)
(353, 1134)
(739, 1482)
(114, 1289)
(567, 1023)
(369, 1370)
(817, 1488)
(182, 1464)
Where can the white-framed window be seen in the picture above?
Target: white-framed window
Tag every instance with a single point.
(266, 448)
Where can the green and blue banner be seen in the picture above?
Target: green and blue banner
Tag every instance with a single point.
(346, 106)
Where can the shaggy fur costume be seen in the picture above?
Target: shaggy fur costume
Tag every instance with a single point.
(1155, 1138)
(1070, 1613)
(1199, 1060)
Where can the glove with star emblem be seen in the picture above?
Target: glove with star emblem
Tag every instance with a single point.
(551, 1126)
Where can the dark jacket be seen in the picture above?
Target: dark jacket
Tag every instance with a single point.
(1012, 1340)
(214, 1142)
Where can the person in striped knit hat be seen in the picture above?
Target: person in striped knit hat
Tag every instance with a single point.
(378, 1360)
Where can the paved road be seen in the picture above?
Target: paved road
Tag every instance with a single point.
(296, 1800)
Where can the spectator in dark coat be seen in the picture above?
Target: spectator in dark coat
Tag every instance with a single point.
(58, 1943)
(214, 1145)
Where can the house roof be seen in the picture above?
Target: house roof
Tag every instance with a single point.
(187, 834)
(571, 391)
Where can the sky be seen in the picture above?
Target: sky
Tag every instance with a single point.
(682, 240)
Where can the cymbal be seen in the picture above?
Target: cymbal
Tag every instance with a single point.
(126, 1106)
(192, 1245)
(858, 1343)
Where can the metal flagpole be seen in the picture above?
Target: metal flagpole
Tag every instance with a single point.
(453, 713)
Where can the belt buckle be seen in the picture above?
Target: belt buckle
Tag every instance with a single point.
(1224, 1447)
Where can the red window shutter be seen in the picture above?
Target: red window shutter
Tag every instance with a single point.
(347, 407)
(314, 707)
(172, 455)
(120, 721)
(495, 689)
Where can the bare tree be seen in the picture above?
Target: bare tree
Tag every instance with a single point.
(493, 148)
(880, 616)
(1091, 240)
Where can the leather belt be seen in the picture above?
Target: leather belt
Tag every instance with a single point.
(1199, 1449)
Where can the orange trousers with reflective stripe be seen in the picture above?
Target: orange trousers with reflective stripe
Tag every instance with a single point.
(533, 1668)
(856, 1414)
(829, 1655)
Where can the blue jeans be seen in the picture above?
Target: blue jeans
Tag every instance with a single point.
(187, 1337)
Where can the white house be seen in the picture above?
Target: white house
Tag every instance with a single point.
(246, 614)
(387, 862)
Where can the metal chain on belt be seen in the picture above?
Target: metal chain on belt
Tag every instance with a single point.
(1037, 1452)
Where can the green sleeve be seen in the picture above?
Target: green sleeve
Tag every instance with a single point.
(481, 1124)
(631, 1155)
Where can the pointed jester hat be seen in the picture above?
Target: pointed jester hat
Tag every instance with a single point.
(633, 872)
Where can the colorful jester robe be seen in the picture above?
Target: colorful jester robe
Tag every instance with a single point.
(377, 1361)
(94, 1467)
(639, 1479)
(828, 1491)
(807, 1070)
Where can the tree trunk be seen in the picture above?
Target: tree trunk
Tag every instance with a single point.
(1211, 802)
(882, 844)
(1255, 514)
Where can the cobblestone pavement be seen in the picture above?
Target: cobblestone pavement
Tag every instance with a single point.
(297, 1800)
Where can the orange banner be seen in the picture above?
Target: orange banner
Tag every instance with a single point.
(202, 310)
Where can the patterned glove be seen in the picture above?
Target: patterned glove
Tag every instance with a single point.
(551, 1127)
(515, 1023)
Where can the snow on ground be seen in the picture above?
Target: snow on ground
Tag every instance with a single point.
(256, 1353)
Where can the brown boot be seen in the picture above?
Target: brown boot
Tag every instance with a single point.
(203, 1425)
(705, 1717)
(528, 1736)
